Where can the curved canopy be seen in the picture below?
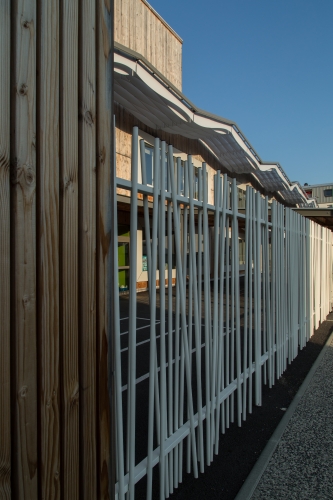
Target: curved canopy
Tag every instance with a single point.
(146, 94)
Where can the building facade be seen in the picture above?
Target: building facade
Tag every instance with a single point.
(148, 84)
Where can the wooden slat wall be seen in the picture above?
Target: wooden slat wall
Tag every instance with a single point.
(5, 418)
(140, 29)
(55, 233)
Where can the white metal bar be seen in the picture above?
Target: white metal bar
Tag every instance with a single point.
(183, 318)
(213, 395)
(170, 334)
(237, 301)
(163, 392)
(207, 306)
(220, 367)
(227, 349)
(197, 324)
(246, 286)
(152, 355)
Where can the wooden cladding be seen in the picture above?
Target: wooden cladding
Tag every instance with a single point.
(55, 227)
(140, 28)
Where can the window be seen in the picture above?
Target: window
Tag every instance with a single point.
(328, 193)
(196, 183)
(308, 192)
(241, 198)
(179, 176)
(149, 155)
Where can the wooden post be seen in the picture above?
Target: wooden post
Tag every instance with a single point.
(24, 320)
(48, 247)
(104, 54)
(5, 427)
(87, 247)
(69, 166)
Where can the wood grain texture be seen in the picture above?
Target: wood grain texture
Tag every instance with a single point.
(104, 154)
(48, 247)
(87, 246)
(5, 425)
(69, 165)
(140, 29)
(23, 153)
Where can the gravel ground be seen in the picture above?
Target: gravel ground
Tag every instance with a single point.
(302, 463)
(241, 447)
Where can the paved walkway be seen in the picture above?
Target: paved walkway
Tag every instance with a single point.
(297, 462)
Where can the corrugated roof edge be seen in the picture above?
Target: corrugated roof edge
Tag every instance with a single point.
(139, 57)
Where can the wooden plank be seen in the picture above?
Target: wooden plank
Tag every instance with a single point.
(69, 250)
(5, 427)
(23, 152)
(138, 28)
(103, 224)
(132, 22)
(47, 247)
(87, 248)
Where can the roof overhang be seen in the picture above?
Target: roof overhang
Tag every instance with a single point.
(153, 100)
(323, 216)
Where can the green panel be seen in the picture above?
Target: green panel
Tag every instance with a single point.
(123, 254)
(123, 278)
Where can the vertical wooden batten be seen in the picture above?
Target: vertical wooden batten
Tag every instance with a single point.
(87, 248)
(24, 324)
(69, 333)
(5, 420)
(48, 247)
(104, 57)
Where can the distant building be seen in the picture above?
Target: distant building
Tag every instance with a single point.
(321, 193)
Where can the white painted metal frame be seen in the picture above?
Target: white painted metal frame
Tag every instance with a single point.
(217, 345)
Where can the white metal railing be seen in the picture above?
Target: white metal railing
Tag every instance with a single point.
(211, 347)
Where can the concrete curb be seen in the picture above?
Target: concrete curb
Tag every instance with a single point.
(250, 484)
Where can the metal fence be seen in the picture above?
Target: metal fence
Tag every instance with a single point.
(219, 334)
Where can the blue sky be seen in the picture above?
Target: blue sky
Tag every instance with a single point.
(267, 65)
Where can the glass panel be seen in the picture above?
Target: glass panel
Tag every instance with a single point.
(196, 183)
(123, 254)
(182, 177)
(123, 230)
(149, 154)
(241, 198)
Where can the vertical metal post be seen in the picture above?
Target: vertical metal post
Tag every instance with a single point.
(152, 356)
(197, 326)
(246, 286)
(213, 395)
(117, 435)
(132, 317)
(207, 321)
(183, 319)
